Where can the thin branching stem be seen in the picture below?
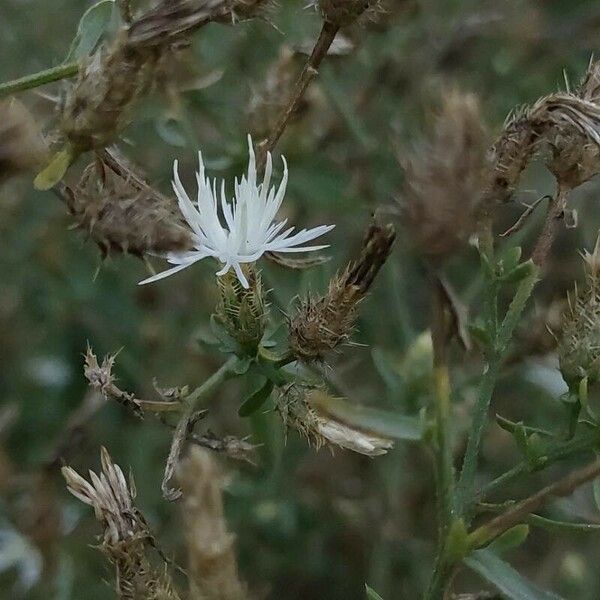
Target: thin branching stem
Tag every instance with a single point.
(38, 79)
(309, 72)
(485, 534)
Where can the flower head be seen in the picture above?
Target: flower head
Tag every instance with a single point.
(249, 230)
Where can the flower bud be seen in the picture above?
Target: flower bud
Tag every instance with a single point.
(242, 311)
(579, 346)
(323, 323)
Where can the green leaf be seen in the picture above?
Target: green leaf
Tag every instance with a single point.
(512, 538)
(382, 422)
(256, 400)
(510, 259)
(371, 594)
(507, 580)
(55, 170)
(92, 26)
(562, 526)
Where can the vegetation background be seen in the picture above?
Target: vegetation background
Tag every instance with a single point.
(309, 525)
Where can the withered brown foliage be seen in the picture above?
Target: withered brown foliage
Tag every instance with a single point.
(122, 216)
(115, 77)
(126, 540)
(323, 323)
(302, 408)
(212, 566)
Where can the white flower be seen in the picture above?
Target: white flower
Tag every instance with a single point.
(249, 230)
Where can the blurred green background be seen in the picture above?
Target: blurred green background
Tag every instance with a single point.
(309, 524)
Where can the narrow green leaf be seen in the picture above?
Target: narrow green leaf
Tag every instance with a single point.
(371, 594)
(256, 400)
(512, 538)
(391, 377)
(382, 422)
(562, 526)
(507, 580)
(92, 26)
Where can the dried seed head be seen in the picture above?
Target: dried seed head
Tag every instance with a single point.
(171, 21)
(212, 568)
(21, 145)
(345, 12)
(323, 323)
(298, 407)
(243, 311)
(567, 124)
(99, 375)
(122, 216)
(579, 346)
(445, 178)
(109, 83)
(126, 537)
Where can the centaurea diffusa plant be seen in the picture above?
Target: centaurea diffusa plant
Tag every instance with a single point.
(290, 360)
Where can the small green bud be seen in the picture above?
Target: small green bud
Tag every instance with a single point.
(242, 311)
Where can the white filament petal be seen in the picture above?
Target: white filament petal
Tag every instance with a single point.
(249, 230)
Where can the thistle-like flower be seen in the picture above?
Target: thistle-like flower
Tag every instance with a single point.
(249, 230)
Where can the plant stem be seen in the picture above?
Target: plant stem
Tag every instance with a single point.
(309, 72)
(214, 381)
(185, 424)
(566, 450)
(37, 79)
(483, 535)
(466, 485)
(442, 447)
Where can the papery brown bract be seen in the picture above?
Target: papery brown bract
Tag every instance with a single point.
(126, 218)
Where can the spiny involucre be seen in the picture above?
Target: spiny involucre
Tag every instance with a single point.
(579, 348)
(249, 230)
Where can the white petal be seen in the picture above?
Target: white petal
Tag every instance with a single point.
(170, 271)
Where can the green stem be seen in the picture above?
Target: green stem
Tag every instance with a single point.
(466, 485)
(564, 451)
(37, 79)
(213, 382)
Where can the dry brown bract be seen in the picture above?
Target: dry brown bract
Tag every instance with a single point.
(126, 537)
(122, 216)
(299, 408)
(565, 125)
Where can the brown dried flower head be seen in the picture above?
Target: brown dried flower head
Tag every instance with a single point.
(122, 216)
(321, 324)
(564, 125)
(126, 537)
(98, 105)
(212, 567)
(21, 145)
(171, 21)
(299, 408)
(579, 345)
(445, 178)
